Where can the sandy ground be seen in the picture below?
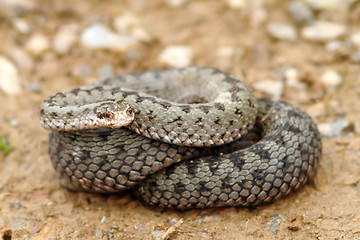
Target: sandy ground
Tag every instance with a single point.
(33, 205)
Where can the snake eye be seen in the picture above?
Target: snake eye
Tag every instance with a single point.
(129, 111)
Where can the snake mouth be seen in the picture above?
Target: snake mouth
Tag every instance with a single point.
(116, 117)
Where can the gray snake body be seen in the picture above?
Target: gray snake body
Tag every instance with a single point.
(178, 161)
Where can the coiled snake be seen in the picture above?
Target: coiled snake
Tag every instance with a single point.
(209, 144)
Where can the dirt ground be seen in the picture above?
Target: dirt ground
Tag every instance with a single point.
(33, 205)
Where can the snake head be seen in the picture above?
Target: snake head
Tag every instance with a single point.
(115, 115)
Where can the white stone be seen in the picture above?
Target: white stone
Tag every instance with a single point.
(300, 12)
(9, 77)
(125, 22)
(21, 25)
(225, 52)
(292, 79)
(37, 44)
(237, 4)
(336, 46)
(258, 17)
(272, 87)
(328, 4)
(355, 39)
(176, 3)
(291, 75)
(99, 36)
(129, 24)
(65, 38)
(22, 59)
(16, 4)
(323, 31)
(333, 129)
(331, 79)
(176, 56)
(357, 126)
(282, 31)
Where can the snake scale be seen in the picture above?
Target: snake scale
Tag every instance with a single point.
(183, 138)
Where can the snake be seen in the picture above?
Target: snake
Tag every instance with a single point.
(183, 138)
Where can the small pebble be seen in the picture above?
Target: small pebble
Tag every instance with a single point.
(300, 12)
(33, 87)
(176, 3)
(237, 4)
(129, 24)
(9, 77)
(271, 87)
(14, 123)
(37, 44)
(204, 235)
(18, 4)
(333, 129)
(65, 38)
(21, 25)
(331, 79)
(323, 31)
(355, 39)
(98, 233)
(337, 46)
(282, 31)
(176, 56)
(21, 58)
(125, 22)
(292, 79)
(328, 4)
(258, 17)
(157, 234)
(103, 219)
(274, 223)
(110, 235)
(357, 126)
(100, 37)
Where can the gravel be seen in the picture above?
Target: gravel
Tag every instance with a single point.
(108, 40)
(38, 44)
(333, 129)
(9, 77)
(176, 56)
(355, 39)
(331, 79)
(300, 12)
(321, 31)
(65, 38)
(329, 4)
(282, 31)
